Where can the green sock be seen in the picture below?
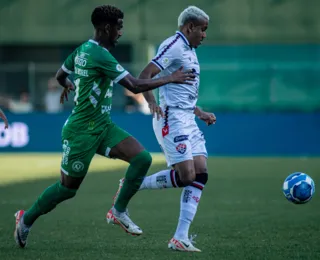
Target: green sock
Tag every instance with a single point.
(47, 201)
(139, 166)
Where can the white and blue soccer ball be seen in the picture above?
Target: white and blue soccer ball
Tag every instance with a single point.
(298, 188)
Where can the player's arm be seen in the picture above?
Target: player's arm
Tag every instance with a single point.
(62, 77)
(208, 118)
(142, 85)
(149, 72)
(110, 67)
(4, 118)
(165, 57)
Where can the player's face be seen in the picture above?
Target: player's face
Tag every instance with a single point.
(116, 32)
(198, 32)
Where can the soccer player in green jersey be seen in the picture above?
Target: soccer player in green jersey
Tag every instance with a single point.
(89, 130)
(4, 118)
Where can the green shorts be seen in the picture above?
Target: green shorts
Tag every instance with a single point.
(79, 149)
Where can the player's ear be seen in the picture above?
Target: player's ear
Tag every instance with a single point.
(107, 28)
(190, 27)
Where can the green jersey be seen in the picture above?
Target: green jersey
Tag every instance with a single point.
(95, 71)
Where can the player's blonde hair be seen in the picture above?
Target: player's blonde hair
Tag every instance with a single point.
(191, 13)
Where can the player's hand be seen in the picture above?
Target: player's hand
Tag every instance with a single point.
(209, 118)
(182, 77)
(155, 110)
(5, 120)
(64, 94)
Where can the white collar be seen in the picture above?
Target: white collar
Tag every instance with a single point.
(184, 38)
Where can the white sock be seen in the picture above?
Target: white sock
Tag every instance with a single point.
(159, 180)
(189, 201)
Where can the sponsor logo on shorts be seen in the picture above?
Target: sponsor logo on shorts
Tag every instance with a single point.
(165, 131)
(181, 148)
(180, 138)
(66, 151)
(77, 166)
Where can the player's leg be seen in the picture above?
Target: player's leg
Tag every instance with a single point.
(192, 191)
(60, 191)
(189, 201)
(177, 147)
(170, 178)
(131, 151)
(164, 179)
(173, 144)
(191, 194)
(121, 145)
(77, 155)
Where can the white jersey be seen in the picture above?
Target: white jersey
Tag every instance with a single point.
(177, 132)
(173, 53)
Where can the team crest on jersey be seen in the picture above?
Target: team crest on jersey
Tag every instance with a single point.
(119, 68)
(181, 148)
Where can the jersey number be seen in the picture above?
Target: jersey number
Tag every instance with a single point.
(76, 96)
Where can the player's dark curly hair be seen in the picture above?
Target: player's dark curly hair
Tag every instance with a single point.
(105, 14)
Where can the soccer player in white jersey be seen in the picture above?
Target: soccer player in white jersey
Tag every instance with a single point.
(175, 127)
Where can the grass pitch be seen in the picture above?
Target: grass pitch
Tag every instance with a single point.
(242, 214)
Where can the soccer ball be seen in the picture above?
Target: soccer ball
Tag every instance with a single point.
(298, 188)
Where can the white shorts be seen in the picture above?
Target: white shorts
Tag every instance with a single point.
(179, 135)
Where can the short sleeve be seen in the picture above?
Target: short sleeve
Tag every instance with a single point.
(68, 65)
(165, 57)
(110, 67)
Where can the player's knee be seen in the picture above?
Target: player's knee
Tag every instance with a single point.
(200, 170)
(188, 177)
(147, 159)
(202, 178)
(66, 193)
(141, 163)
(143, 159)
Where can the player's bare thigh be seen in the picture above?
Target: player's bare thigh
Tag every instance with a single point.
(200, 164)
(126, 149)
